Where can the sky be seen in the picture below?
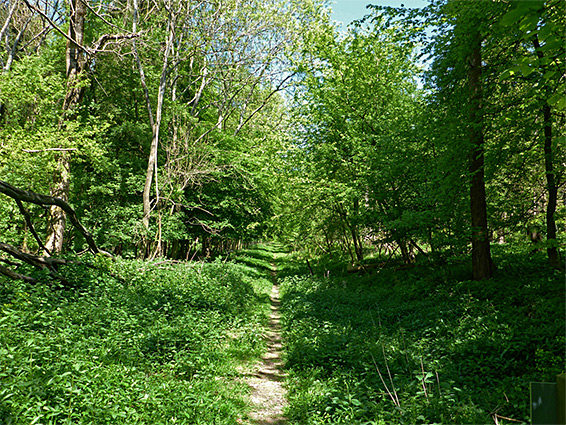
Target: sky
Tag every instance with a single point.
(346, 11)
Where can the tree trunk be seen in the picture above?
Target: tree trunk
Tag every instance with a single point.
(481, 255)
(406, 252)
(57, 217)
(76, 60)
(551, 183)
(551, 250)
(155, 124)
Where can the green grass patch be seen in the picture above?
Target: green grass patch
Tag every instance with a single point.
(420, 345)
(135, 342)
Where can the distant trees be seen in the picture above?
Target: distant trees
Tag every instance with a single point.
(357, 144)
(453, 165)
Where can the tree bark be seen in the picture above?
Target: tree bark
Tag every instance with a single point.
(57, 218)
(155, 124)
(482, 264)
(75, 59)
(551, 183)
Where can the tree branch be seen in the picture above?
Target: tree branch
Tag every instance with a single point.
(55, 26)
(24, 212)
(35, 198)
(13, 275)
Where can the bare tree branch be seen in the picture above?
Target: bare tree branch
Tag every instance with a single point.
(13, 275)
(35, 198)
(55, 26)
(49, 149)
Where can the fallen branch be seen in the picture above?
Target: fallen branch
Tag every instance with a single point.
(35, 198)
(29, 223)
(49, 150)
(41, 263)
(13, 275)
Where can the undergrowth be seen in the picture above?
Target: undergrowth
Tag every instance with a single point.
(421, 345)
(133, 342)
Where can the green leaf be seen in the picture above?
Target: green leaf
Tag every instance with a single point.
(506, 74)
(549, 74)
(526, 70)
(558, 100)
(356, 402)
(512, 18)
(552, 42)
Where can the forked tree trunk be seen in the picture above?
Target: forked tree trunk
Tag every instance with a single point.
(481, 254)
(406, 252)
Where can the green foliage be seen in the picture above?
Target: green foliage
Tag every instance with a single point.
(448, 350)
(134, 342)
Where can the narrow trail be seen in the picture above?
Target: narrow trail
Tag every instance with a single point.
(268, 394)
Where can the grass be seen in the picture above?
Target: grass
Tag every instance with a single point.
(134, 343)
(421, 345)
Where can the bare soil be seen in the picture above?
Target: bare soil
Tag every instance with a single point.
(268, 394)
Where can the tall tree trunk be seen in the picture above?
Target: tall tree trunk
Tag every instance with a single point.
(552, 186)
(75, 60)
(481, 255)
(551, 183)
(155, 123)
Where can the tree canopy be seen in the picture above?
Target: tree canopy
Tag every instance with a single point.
(183, 128)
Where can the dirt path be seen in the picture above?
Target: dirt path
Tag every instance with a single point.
(268, 394)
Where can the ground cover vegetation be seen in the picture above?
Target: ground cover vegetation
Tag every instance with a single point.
(133, 342)
(420, 345)
(141, 142)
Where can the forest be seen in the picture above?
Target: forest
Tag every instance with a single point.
(164, 164)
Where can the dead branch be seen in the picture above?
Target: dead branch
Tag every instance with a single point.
(27, 217)
(41, 263)
(33, 260)
(49, 149)
(54, 25)
(43, 200)
(13, 275)
(97, 46)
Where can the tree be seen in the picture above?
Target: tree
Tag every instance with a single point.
(356, 130)
(222, 63)
(481, 254)
(543, 23)
(77, 54)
